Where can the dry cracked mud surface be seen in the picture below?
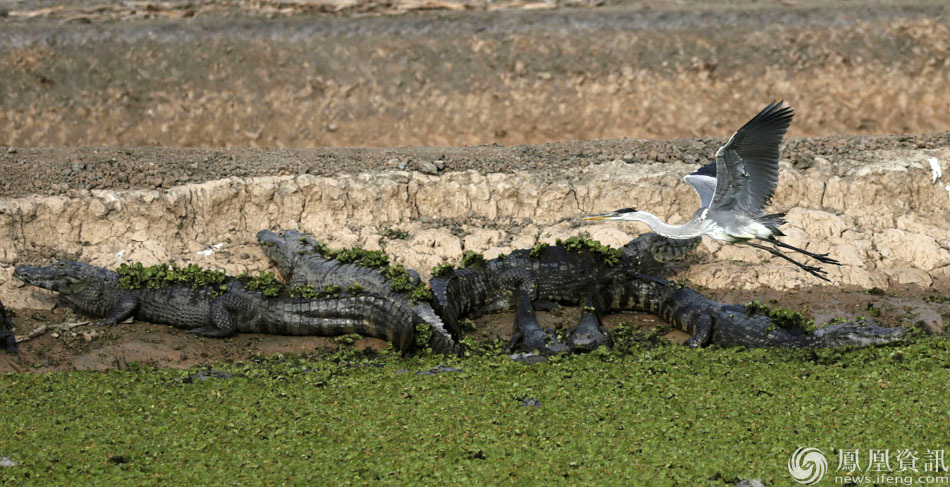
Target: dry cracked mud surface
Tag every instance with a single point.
(114, 147)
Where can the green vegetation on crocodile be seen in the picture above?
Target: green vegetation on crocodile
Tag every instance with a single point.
(470, 258)
(782, 317)
(442, 269)
(396, 273)
(138, 276)
(538, 249)
(266, 282)
(583, 243)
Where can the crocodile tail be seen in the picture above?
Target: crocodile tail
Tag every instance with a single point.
(447, 302)
(772, 222)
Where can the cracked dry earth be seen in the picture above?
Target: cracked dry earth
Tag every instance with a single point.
(874, 207)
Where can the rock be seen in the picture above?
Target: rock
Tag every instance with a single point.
(528, 358)
(628, 158)
(899, 248)
(6, 462)
(750, 483)
(439, 164)
(531, 403)
(426, 167)
(441, 369)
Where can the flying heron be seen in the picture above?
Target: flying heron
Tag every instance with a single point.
(734, 191)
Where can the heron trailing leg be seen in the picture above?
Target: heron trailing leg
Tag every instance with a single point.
(819, 257)
(813, 270)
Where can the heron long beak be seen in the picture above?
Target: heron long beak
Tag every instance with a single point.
(600, 216)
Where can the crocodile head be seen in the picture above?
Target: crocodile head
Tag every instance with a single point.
(856, 334)
(660, 248)
(283, 249)
(66, 277)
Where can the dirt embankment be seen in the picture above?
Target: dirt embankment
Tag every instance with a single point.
(513, 76)
(878, 211)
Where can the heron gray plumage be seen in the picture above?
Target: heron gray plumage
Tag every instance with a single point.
(734, 191)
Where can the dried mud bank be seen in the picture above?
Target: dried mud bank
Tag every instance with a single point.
(883, 217)
(657, 71)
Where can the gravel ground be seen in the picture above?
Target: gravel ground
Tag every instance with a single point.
(59, 170)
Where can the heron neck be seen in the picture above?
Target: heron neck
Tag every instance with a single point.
(691, 229)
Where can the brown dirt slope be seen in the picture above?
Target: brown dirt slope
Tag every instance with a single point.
(635, 69)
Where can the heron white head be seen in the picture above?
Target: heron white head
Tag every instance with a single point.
(623, 214)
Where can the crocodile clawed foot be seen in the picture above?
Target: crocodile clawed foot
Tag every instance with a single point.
(586, 337)
(106, 322)
(8, 340)
(540, 340)
(209, 332)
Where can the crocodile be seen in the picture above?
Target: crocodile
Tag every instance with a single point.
(298, 259)
(550, 274)
(221, 310)
(600, 279)
(526, 279)
(7, 338)
(710, 322)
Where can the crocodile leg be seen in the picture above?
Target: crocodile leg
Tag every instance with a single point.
(589, 332)
(223, 323)
(124, 308)
(8, 340)
(529, 336)
(702, 332)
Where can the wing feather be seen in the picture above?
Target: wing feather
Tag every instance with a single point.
(703, 180)
(747, 165)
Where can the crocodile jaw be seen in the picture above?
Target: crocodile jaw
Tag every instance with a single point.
(64, 277)
(857, 335)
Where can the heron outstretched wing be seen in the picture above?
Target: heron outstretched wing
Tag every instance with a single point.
(703, 180)
(747, 165)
